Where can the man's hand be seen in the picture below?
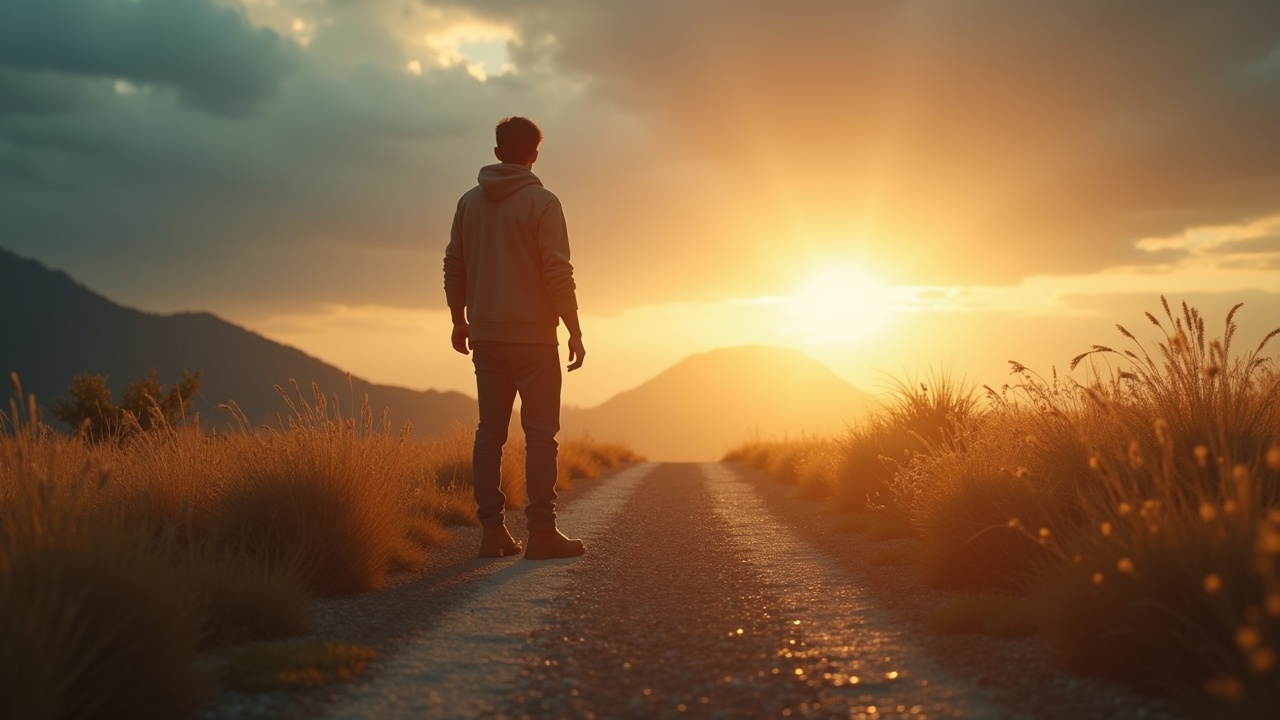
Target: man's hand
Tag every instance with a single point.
(577, 353)
(462, 337)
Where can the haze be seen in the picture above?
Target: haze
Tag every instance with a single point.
(886, 186)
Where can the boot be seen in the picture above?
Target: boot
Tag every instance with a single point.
(549, 544)
(497, 542)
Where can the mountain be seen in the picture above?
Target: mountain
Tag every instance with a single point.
(705, 404)
(52, 329)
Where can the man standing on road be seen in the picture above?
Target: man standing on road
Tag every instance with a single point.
(509, 283)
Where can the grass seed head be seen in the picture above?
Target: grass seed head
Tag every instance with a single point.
(1212, 583)
(1224, 688)
(1202, 456)
(1248, 638)
(1262, 660)
(1135, 455)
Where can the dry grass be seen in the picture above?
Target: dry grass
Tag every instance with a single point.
(995, 614)
(1138, 512)
(260, 667)
(95, 621)
(122, 561)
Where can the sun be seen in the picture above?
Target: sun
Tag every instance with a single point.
(839, 305)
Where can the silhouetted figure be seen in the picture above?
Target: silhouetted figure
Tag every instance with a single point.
(508, 281)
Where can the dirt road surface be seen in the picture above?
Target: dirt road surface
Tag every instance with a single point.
(698, 597)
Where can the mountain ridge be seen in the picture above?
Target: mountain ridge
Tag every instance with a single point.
(56, 328)
(708, 402)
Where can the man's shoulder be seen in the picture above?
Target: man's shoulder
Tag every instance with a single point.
(475, 193)
(541, 193)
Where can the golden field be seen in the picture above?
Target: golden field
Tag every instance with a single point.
(123, 561)
(1134, 518)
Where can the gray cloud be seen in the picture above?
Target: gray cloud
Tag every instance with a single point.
(211, 55)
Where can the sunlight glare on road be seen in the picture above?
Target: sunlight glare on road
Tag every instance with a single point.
(839, 305)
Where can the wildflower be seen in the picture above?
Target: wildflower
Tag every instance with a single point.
(1124, 508)
(1208, 512)
(1094, 463)
(1021, 473)
(1273, 457)
(1240, 473)
(1097, 578)
(1015, 523)
(1162, 432)
(1212, 583)
(1105, 528)
(1045, 533)
(1125, 565)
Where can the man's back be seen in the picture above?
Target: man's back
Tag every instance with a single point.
(508, 258)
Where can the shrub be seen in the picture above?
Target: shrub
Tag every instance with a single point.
(145, 404)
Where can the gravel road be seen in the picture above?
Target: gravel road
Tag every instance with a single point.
(705, 592)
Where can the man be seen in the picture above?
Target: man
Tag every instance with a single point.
(509, 283)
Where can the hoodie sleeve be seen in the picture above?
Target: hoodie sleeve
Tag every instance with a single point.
(455, 270)
(553, 250)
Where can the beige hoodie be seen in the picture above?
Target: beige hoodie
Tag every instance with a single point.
(507, 261)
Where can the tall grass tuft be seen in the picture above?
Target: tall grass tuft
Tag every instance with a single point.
(121, 562)
(95, 621)
(1137, 510)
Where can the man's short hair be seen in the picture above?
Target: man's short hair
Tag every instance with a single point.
(518, 139)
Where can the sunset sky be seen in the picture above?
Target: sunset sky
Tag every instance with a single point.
(890, 186)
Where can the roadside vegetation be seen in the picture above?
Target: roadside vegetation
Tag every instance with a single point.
(127, 554)
(1131, 518)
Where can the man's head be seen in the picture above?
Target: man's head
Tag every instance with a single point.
(518, 140)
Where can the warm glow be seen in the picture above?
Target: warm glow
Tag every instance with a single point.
(839, 305)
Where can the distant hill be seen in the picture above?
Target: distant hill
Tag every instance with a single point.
(52, 329)
(708, 403)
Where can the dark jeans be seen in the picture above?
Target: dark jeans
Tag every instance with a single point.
(502, 370)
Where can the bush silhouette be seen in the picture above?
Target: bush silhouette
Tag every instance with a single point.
(92, 409)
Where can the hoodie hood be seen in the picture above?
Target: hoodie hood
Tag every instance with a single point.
(499, 181)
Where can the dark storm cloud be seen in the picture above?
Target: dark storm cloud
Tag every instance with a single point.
(307, 200)
(211, 55)
(1045, 137)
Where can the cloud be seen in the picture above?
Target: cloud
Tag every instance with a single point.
(238, 155)
(211, 55)
(1042, 137)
